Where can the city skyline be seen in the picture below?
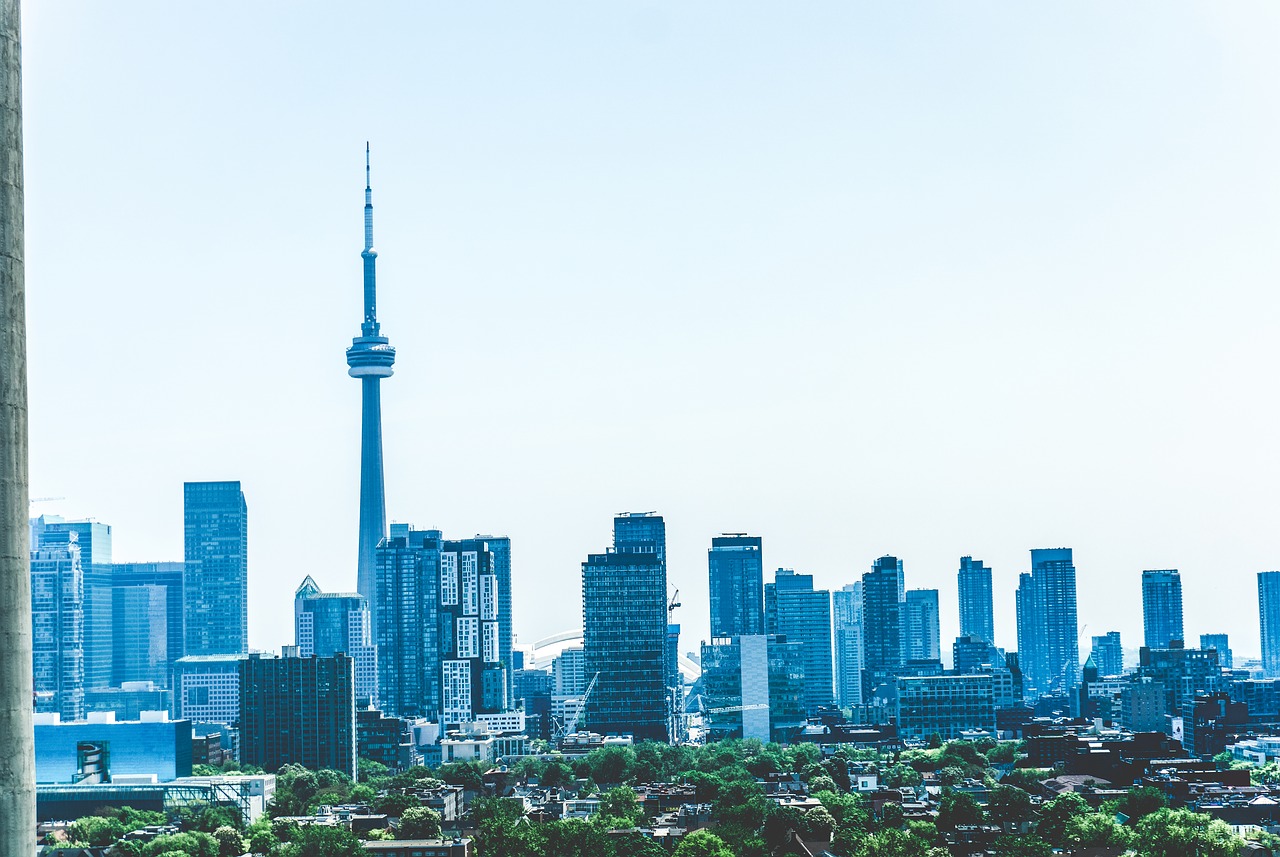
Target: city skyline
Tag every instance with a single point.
(1089, 310)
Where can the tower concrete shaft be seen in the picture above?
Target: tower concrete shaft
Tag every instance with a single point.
(370, 359)
(17, 736)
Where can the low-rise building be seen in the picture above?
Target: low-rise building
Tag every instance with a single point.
(945, 705)
(420, 848)
(101, 749)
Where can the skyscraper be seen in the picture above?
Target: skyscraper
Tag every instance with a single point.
(846, 613)
(754, 687)
(216, 571)
(624, 631)
(146, 617)
(924, 628)
(370, 359)
(883, 593)
(1048, 644)
(735, 570)
(407, 626)
(1269, 620)
(500, 547)
(94, 540)
(473, 680)
(1108, 654)
(326, 623)
(298, 710)
(1161, 607)
(976, 614)
(803, 615)
(57, 622)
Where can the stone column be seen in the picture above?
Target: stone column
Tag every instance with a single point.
(17, 738)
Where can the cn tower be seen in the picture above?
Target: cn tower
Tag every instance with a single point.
(370, 358)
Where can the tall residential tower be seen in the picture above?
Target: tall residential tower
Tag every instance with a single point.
(370, 358)
(1161, 607)
(976, 614)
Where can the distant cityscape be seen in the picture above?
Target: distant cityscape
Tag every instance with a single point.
(144, 669)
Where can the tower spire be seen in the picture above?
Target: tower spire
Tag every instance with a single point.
(368, 202)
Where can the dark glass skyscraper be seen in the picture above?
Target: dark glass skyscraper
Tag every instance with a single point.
(1161, 607)
(500, 547)
(976, 614)
(1048, 643)
(883, 594)
(407, 623)
(146, 615)
(298, 710)
(624, 631)
(370, 359)
(736, 576)
(803, 615)
(216, 569)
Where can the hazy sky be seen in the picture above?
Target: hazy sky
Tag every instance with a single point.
(929, 279)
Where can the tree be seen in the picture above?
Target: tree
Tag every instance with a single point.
(1055, 815)
(702, 843)
(368, 769)
(895, 843)
(419, 822)
(315, 840)
(94, 831)
(1140, 802)
(621, 807)
(1022, 846)
(822, 783)
(819, 823)
(1096, 830)
(394, 803)
(1179, 833)
(469, 775)
(194, 844)
(1009, 804)
(230, 842)
(613, 765)
(957, 808)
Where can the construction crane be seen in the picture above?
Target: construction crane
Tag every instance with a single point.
(673, 603)
(35, 500)
(571, 726)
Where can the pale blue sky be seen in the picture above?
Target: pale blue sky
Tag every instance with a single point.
(928, 279)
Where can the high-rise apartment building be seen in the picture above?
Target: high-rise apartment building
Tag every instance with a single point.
(883, 594)
(325, 623)
(1269, 621)
(406, 621)
(624, 621)
(846, 613)
(735, 569)
(1048, 643)
(500, 547)
(147, 621)
(298, 711)
(976, 613)
(1161, 607)
(569, 672)
(473, 680)
(1108, 654)
(802, 614)
(923, 625)
(1220, 644)
(94, 541)
(216, 569)
(57, 625)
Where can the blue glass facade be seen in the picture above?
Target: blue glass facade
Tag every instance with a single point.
(1048, 644)
(298, 711)
(977, 617)
(65, 752)
(326, 623)
(1161, 607)
(216, 569)
(406, 622)
(146, 621)
(94, 540)
(803, 615)
(735, 571)
(500, 547)
(473, 680)
(57, 625)
(883, 628)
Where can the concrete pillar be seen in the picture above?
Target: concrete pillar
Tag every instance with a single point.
(17, 737)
